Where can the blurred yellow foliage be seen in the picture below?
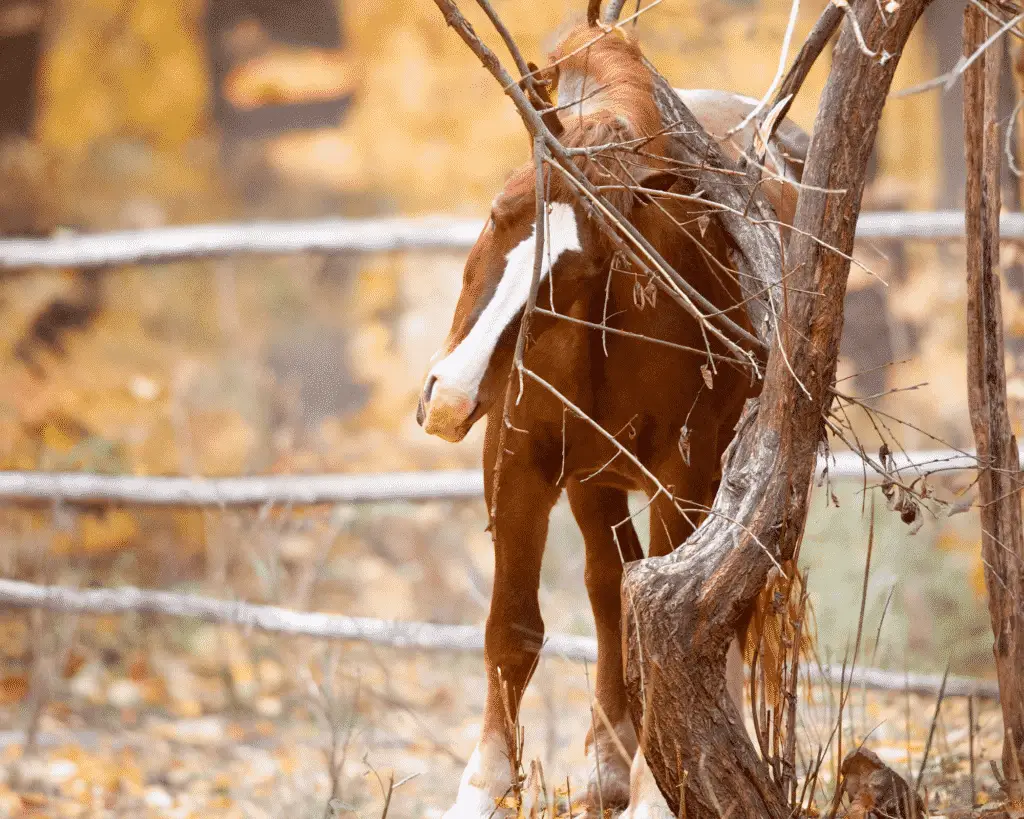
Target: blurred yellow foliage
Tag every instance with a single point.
(430, 128)
(226, 442)
(107, 531)
(125, 140)
(124, 70)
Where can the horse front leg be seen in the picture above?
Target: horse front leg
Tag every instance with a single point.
(515, 630)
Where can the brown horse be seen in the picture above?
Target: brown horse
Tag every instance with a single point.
(668, 403)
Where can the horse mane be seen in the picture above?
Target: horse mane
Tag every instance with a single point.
(606, 94)
(603, 71)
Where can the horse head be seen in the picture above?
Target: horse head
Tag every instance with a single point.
(469, 371)
(605, 98)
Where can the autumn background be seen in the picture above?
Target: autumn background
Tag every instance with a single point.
(123, 114)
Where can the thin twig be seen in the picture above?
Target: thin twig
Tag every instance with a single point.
(931, 729)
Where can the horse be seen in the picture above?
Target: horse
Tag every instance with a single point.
(660, 398)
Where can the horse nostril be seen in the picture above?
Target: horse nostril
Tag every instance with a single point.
(421, 407)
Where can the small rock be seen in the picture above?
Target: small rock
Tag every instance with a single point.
(158, 798)
(202, 731)
(178, 776)
(87, 683)
(124, 694)
(271, 675)
(61, 771)
(243, 680)
(269, 707)
(297, 548)
(144, 388)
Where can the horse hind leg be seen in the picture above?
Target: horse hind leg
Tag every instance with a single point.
(597, 510)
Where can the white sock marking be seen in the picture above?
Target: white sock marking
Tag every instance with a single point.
(486, 779)
(465, 366)
(604, 751)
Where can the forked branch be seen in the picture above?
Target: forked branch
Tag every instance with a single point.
(686, 606)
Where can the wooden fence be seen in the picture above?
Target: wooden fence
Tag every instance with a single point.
(366, 236)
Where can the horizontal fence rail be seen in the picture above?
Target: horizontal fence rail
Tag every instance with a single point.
(396, 634)
(296, 490)
(310, 490)
(368, 236)
(196, 241)
(373, 235)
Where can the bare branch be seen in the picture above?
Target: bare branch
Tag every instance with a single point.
(809, 52)
(540, 228)
(794, 13)
(613, 11)
(686, 605)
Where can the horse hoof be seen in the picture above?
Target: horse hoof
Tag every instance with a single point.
(612, 795)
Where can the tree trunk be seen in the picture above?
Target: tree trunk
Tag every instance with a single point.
(1002, 544)
(682, 609)
(21, 46)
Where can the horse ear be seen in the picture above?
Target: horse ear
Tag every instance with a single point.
(655, 180)
(593, 12)
(541, 99)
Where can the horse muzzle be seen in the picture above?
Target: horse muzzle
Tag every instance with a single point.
(446, 412)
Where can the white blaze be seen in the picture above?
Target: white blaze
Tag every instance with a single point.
(465, 366)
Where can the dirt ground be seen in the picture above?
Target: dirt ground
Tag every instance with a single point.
(146, 735)
(153, 716)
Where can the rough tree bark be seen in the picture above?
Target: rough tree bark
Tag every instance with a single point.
(1002, 544)
(681, 610)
